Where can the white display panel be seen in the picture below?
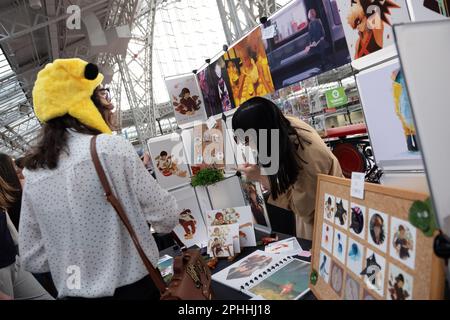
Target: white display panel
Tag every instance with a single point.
(226, 194)
(426, 67)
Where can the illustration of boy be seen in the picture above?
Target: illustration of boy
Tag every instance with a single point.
(401, 243)
(168, 166)
(396, 289)
(218, 219)
(188, 222)
(188, 105)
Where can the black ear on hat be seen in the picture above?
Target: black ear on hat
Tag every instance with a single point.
(91, 71)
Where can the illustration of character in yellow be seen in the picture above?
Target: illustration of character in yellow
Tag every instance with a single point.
(403, 110)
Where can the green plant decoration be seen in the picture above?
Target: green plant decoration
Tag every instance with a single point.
(206, 177)
(314, 277)
(422, 216)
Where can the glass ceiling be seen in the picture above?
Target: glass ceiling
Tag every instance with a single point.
(17, 121)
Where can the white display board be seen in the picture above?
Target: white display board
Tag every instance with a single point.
(426, 10)
(426, 66)
(387, 135)
(226, 194)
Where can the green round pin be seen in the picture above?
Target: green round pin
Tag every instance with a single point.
(314, 277)
(421, 216)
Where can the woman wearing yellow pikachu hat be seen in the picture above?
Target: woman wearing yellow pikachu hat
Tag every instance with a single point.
(67, 226)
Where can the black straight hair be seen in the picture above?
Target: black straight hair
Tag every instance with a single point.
(260, 113)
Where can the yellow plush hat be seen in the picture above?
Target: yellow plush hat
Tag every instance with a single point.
(65, 87)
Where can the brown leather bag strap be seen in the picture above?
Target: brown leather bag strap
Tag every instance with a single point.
(154, 274)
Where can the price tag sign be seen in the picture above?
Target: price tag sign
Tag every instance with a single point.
(211, 122)
(357, 188)
(269, 32)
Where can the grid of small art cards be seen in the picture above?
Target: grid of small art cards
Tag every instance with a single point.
(367, 249)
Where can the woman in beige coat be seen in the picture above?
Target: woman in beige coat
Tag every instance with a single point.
(299, 156)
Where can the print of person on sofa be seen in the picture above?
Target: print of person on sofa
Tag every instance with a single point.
(168, 166)
(188, 222)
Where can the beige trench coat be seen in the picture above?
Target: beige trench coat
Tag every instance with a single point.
(301, 196)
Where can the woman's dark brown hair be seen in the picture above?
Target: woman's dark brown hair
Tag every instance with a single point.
(6, 194)
(9, 175)
(53, 138)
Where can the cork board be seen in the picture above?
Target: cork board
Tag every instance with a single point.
(371, 252)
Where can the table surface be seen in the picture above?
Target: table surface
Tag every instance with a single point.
(223, 292)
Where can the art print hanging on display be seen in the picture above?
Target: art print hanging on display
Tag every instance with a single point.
(341, 213)
(327, 237)
(167, 153)
(378, 229)
(368, 24)
(221, 240)
(324, 269)
(242, 216)
(319, 125)
(215, 86)
(208, 146)
(308, 40)
(337, 278)
(357, 220)
(188, 104)
(352, 288)
(254, 197)
(374, 272)
(428, 10)
(191, 228)
(402, 243)
(355, 257)
(400, 284)
(329, 207)
(385, 100)
(340, 245)
(248, 68)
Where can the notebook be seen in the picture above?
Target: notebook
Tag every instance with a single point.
(289, 280)
(241, 273)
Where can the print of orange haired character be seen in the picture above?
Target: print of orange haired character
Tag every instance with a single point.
(369, 17)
